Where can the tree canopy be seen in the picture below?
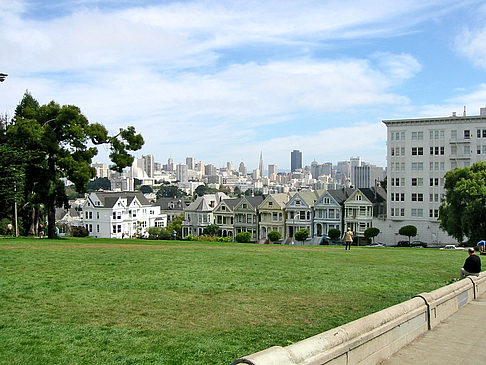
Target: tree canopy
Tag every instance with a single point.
(60, 144)
(371, 232)
(463, 212)
(274, 236)
(170, 191)
(409, 231)
(99, 183)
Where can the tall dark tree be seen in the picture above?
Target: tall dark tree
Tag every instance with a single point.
(463, 212)
(56, 139)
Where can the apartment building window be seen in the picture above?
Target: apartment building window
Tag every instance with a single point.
(119, 228)
(417, 181)
(417, 212)
(453, 150)
(454, 134)
(332, 215)
(417, 166)
(86, 215)
(97, 215)
(467, 150)
(114, 215)
(417, 197)
(434, 181)
(467, 134)
(437, 134)
(433, 213)
(114, 228)
(417, 136)
(302, 215)
(434, 198)
(417, 151)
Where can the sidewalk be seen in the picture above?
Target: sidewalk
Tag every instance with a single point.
(461, 339)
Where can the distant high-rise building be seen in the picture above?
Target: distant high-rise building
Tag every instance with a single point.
(272, 169)
(260, 165)
(229, 166)
(102, 169)
(242, 169)
(148, 165)
(366, 175)
(190, 163)
(182, 173)
(209, 170)
(295, 160)
(200, 166)
(170, 164)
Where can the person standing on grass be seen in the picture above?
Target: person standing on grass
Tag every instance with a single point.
(348, 239)
(9, 229)
(472, 265)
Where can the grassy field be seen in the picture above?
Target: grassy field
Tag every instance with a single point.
(96, 301)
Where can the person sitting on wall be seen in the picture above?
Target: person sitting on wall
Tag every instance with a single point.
(472, 265)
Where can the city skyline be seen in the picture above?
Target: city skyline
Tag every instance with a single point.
(222, 81)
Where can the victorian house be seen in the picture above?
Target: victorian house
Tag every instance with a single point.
(246, 215)
(272, 214)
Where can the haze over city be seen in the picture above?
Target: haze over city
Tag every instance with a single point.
(224, 80)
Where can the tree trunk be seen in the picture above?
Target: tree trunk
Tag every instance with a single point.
(32, 226)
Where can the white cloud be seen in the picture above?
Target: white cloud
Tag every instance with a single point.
(472, 44)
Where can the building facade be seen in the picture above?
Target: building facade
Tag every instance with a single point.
(295, 160)
(419, 153)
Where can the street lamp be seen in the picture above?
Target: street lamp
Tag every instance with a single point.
(2, 76)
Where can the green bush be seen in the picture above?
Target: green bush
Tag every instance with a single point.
(334, 234)
(274, 236)
(243, 237)
(3, 225)
(159, 233)
(79, 231)
(302, 235)
(190, 237)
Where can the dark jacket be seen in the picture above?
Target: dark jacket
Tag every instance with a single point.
(473, 264)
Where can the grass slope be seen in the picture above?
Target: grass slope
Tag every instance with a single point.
(87, 301)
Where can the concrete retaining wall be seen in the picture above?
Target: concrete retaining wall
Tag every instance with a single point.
(374, 338)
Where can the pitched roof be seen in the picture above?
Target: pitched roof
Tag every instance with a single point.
(374, 195)
(341, 195)
(172, 203)
(109, 198)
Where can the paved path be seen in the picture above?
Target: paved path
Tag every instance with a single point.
(461, 339)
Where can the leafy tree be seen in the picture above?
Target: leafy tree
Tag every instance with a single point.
(56, 138)
(176, 225)
(463, 212)
(409, 231)
(274, 236)
(371, 233)
(243, 237)
(203, 190)
(334, 234)
(146, 189)
(211, 230)
(170, 191)
(302, 235)
(99, 183)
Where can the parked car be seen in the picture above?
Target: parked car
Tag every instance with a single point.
(418, 244)
(403, 244)
(376, 244)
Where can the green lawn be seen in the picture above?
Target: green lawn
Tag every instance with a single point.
(97, 301)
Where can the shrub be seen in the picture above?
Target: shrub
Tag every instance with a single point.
(190, 237)
(243, 237)
(211, 230)
(159, 233)
(79, 231)
(302, 235)
(334, 234)
(274, 236)
(3, 225)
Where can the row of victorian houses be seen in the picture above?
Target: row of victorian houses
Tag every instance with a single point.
(287, 213)
(127, 214)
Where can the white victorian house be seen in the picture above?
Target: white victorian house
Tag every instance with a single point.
(126, 214)
(300, 212)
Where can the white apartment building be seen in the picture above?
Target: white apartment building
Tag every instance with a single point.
(127, 214)
(419, 153)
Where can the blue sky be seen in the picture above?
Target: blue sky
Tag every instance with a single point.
(223, 80)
